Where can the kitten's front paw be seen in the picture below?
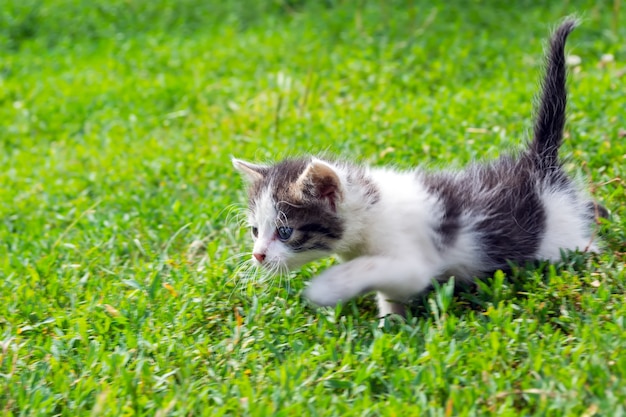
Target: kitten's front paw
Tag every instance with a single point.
(331, 287)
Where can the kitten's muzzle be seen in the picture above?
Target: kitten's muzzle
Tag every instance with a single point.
(260, 257)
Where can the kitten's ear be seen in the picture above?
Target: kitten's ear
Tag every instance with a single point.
(251, 172)
(320, 180)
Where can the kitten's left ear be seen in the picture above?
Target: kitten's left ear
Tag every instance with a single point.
(320, 180)
(251, 172)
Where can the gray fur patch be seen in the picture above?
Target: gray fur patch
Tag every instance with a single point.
(504, 197)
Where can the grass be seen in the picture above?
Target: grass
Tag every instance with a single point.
(118, 246)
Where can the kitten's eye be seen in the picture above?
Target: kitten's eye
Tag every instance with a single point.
(284, 232)
(255, 231)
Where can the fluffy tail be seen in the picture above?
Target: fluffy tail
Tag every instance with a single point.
(548, 131)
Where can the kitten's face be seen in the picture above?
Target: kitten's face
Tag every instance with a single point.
(293, 212)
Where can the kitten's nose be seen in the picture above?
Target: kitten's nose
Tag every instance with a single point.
(259, 257)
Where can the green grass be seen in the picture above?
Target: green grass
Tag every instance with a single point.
(118, 122)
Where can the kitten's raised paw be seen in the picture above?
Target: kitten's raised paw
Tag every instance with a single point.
(331, 287)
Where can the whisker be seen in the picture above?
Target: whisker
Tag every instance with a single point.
(235, 257)
(289, 204)
(282, 218)
(232, 208)
(243, 275)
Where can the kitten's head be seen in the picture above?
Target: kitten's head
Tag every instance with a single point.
(293, 211)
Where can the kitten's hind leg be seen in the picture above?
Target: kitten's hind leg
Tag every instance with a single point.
(598, 211)
(395, 279)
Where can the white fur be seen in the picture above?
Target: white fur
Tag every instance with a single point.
(265, 220)
(565, 227)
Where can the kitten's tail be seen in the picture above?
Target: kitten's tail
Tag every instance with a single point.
(550, 120)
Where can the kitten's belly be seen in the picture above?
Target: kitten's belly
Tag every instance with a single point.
(461, 272)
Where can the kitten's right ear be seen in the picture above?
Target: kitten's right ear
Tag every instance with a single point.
(251, 172)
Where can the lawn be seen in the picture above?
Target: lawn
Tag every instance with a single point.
(119, 207)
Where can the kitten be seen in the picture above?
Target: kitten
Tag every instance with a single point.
(397, 231)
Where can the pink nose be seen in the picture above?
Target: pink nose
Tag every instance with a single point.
(259, 256)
